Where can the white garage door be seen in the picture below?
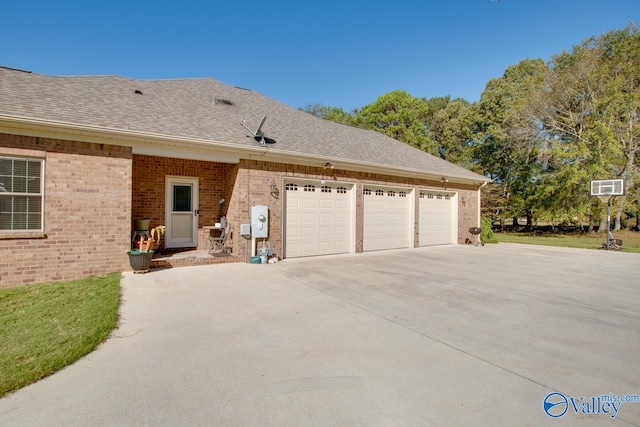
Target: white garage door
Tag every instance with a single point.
(437, 220)
(387, 219)
(317, 219)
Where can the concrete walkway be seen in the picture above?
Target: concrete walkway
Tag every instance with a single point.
(456, 335)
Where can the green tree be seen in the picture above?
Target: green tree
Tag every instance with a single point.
(452, 126)
(401, 116)
(565, 108)
(587, 109)
(507, 141)
(334, 114)
(620, 105)
(494, 202)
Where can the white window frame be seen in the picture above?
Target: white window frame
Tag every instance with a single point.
(26, 194)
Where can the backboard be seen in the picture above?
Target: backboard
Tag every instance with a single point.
(607, 187)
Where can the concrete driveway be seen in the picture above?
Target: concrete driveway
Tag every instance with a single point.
(456, 335)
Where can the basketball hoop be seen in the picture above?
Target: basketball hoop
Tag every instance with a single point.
(605, 189)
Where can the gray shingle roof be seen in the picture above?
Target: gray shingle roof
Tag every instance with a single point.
(206, 110)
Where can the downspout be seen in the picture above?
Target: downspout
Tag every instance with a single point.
(480, 207)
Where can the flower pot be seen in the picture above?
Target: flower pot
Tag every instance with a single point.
(145, 245)
(140, 261)
(141, 224)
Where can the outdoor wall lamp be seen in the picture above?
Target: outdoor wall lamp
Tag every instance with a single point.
(222, 200)
(273, 189)
(328, 166)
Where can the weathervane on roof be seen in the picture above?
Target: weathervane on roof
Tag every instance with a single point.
(257, 135)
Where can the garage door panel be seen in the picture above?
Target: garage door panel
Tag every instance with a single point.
(326, 218)
(325, 246)
(309, 217)
(341, 218)
(308, 231)
(342, 232)
(323, 226)
(387, 219)
(326, 232)
(326, 204)
(436, 225)
(294, 247)
(294, 204)
(309, 204)
(308, 248)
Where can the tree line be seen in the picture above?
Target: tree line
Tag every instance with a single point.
(541, 132)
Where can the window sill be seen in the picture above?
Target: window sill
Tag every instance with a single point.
(16, 235)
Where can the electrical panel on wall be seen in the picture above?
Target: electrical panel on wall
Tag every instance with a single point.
(259, 222)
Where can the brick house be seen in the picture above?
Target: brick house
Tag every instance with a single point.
(81, 157)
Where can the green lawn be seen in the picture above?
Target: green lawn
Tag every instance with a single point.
(630, 240)
(46, 327)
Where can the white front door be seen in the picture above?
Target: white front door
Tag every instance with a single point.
(181, 212)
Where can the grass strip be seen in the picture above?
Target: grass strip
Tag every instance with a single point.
(46, 327)
(630, 240)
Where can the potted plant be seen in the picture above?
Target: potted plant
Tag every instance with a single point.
(140, 256)
(140, 261)
(156, 233)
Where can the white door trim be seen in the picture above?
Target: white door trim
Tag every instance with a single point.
(190, 239)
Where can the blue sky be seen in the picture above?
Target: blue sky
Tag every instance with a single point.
(339, 53)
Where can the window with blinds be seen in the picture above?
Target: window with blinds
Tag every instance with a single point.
(21, 194)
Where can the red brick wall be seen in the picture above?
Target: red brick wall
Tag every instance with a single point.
(468, 210)
(249, 185)
(86, 214)
(149, 189)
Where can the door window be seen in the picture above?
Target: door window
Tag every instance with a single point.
(181, 198)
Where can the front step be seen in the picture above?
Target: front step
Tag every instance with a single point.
(191, 258)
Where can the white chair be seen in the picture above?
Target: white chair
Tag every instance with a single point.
(219, 244)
